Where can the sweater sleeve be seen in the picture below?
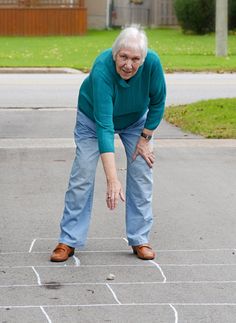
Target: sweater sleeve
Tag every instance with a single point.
(103, 111)
(157, 94)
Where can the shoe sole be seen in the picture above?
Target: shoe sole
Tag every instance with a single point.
(144, 258)
(62, 260)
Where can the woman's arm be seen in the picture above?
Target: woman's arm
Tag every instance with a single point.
(157, 94)
(114, 188)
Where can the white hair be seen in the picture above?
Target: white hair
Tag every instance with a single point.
(131, 38)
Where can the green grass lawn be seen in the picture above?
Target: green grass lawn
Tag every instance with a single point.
(177, 51)
(211, 118)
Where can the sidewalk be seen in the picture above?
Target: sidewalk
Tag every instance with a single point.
(193, 278)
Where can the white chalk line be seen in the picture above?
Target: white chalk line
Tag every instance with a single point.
(195, 250)
(46, 315)
(92, 238)
(123, 250)
(116, 304)
(77, 261)
(72, 266)
(37, 275)
(189, 282)
(31, 246)
(113, 294)
(80, 251)
(175, 312)
(161, 271)
(118, 265)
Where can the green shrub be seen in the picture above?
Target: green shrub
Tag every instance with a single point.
(197, 16)
(232, 14)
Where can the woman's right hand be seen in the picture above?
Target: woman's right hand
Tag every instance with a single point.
(114, 192)
(114, 187)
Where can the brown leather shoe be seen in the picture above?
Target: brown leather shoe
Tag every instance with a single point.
(62, 252)
(144, 252)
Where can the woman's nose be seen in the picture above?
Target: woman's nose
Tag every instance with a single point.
(129, 63)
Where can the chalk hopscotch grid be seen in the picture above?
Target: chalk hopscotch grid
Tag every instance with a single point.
(109, 286)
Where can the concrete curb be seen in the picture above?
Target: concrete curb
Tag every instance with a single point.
(39, 70)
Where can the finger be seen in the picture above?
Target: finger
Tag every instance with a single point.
(122, 195)
(113, 205)
(116, 200)
(112, 201)
(108, 205)
(109, 200)
(135, 155)
(148, 161)
(152, 159)
(153, 156)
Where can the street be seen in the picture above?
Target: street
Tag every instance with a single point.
(193, 278)
(61, 90)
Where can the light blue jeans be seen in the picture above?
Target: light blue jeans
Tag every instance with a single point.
(79, 196)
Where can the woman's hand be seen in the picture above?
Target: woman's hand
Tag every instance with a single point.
(143, 148)
(114, 192)
(114, 188)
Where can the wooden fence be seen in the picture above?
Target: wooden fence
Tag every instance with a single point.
(42, 17)
(166, 14)
(131, 14)
(146, 13)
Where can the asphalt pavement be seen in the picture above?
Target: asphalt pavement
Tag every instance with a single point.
(193, 278)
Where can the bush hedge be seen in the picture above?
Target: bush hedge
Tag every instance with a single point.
(198, 16)
(232, 14)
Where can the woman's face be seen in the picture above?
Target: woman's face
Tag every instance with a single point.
(128, 62)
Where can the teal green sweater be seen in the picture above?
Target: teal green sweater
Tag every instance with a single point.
(114, 104)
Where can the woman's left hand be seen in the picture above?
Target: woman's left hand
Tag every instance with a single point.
(143, 148)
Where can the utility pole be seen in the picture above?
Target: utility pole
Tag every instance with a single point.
(221, 27)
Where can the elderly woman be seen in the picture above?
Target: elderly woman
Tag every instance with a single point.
(124, 94)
